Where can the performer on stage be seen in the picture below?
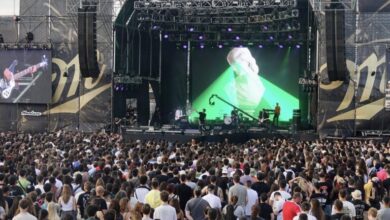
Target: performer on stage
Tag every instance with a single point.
(202, 120)
(235, 118)
(263, 117)
(276, 115)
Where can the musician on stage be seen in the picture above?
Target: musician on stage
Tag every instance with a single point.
(263, 117)
(202, 120)
(235, 118)
(276, 115)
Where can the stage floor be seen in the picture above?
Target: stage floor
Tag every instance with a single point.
(233, 136)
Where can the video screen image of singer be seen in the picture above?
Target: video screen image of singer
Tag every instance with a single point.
(251, 79)
(25, 76)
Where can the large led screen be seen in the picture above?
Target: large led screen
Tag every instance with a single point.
(26, 76)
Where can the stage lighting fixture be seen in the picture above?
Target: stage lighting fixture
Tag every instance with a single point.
(265, 27)
(298, 46)
(229, 29)
(271, 37)
(260, 46)
(184, 46)
(191, 29)
(220, 46)
(289, 37)
(155, 27)
(200, 37)
(166, 36)
(201, 46)
(237, 37)
(281, 46)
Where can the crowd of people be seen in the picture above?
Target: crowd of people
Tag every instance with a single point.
(99, 176)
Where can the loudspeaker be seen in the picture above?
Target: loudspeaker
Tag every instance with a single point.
(93, 67)
(81, 15)
(335, 45)
(87, 42)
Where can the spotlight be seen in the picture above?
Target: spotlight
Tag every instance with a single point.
(155, 27)
(191, 29)
(260, 46)
(229, 29)
(271, 37)
(200, 37)
(298, 46)
(220, 46)
(289, 37)
(237, 37)
(184, 46)
(166, 36)
(281, 46)
(265, 27)
(201, 46)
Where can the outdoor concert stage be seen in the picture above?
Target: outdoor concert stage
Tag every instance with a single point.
(233, 136)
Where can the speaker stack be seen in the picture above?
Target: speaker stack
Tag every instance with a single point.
(87, 41)
(335, 45)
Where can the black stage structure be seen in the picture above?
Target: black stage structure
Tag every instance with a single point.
(159, 67)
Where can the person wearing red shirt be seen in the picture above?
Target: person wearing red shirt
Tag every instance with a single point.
(291, 208)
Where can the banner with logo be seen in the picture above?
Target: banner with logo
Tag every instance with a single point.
(358, 104)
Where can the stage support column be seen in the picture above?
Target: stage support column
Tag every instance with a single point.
(188, 104)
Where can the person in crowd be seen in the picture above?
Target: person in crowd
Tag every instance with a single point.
(306, 207)
(175, 204)
(67, 202)
(360, 206)
(291, 208)
(316, 210)
(264, 207)
(338, 210)
(252, 199)
(372, 214)
(143, 189)
(233, 210)
(213, 200)
(238, 190)
(195, 207)
(384, 213)
(153, 196)
(165, 211)
(277, 206)
(52, 209)
(348, 207)
(24, 214)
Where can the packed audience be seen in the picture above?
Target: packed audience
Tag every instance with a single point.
(69, 175)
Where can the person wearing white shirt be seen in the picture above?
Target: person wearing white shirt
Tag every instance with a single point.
(305, 210)
(213, 200)
(282, 191)
(277, 205)
(165, 211)
(348, 207)
(141, 191)
(252, 199)
(24, 214)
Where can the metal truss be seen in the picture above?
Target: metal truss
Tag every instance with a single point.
(331, 5)
(212, 4)
(210, 20)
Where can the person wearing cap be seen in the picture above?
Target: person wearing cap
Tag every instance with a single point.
(360, 206)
